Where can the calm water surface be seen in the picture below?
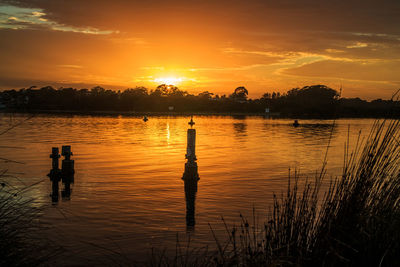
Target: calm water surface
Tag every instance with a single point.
(128, 194)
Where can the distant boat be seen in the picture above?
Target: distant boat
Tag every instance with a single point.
(296, 123)
(145, 118)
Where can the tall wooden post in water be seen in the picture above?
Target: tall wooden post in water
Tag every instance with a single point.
(191, 176)
(55, 174)
(67, 171)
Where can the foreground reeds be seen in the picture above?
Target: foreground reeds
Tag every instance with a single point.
(19, 224)
(353, 220)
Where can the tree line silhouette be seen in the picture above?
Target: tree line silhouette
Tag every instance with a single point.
(312, 101)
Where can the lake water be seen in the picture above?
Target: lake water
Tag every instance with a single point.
(128, 194)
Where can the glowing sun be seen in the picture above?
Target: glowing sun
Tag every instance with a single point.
(168, 80)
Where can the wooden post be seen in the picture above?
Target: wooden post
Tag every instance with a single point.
(191, 145)
(67, 171)
(54, 191)
(55, 156)
(66, 152)
(67, 167)
(191, 164)
(191, 176)
(54, 175)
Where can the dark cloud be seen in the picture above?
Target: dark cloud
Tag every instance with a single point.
(303, 25)
(357, 16)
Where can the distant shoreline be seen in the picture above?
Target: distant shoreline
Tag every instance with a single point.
(309, 102)
(273, 115)
(140, 113)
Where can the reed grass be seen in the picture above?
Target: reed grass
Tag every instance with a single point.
(19, 225)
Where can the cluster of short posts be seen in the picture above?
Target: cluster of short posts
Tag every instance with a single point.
(66, 174)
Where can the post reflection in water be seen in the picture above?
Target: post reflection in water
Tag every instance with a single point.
(190, 177)
(190, 181)
(66, 192)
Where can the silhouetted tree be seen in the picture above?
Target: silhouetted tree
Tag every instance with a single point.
(169, 90)
(315, 99)
(205, 95)
(240, 94)
(133, 98)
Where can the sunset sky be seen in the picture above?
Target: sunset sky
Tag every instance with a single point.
(217, 46)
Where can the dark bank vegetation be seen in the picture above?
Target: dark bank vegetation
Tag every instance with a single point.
(309, 101)
(352, 221)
